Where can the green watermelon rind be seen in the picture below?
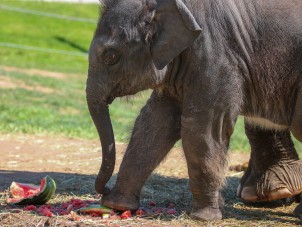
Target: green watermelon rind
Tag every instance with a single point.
(42, 197)
(95, 208)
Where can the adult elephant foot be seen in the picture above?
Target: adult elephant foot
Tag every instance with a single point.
(298, 211)
(274, 171)
(276, 182)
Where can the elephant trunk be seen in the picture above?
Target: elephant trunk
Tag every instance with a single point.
(100, 114)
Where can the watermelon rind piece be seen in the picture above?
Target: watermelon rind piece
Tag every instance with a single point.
(95, 208)
(41, 197)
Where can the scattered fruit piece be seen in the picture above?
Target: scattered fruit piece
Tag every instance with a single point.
(45, 211)
(105, 216)
(140, 212)
(158, 210)
(30, 208)
(126, 214)
(69, 209)
(22, 194)
(152, 204)
(77, 203)
(95, 210)
(171, 205)
(171, 211)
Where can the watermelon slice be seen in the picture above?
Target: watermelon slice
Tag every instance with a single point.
(126, 214)
(95, 209)
(25, 194)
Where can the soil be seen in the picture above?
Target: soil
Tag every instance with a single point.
(8, 83)
(73, 164)
(39, 72)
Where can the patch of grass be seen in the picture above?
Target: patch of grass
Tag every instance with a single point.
(63, 111)
(46, 32)
(239, 140)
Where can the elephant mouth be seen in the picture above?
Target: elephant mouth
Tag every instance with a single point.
(116, 91)
(110, 99)
(120, 89)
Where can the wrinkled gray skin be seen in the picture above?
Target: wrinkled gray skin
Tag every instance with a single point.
(207, 61)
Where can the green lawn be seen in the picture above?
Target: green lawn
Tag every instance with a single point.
(62, 111)
(47, 32)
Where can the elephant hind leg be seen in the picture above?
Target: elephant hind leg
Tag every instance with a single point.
(280, 181)
(296, 123)
(298, 211)
(274, 170)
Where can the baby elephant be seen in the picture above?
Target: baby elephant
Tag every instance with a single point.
(207, 61)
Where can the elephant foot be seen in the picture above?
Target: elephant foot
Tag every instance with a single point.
(206, 214)
(119, 201)
(279, 181)
(298, 211)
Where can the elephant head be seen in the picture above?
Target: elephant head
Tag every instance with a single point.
(134, 42)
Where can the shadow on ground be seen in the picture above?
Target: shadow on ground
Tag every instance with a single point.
(160, 189)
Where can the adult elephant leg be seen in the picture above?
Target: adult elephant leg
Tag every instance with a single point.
(298, 210)
(275, 171)
(156, 130)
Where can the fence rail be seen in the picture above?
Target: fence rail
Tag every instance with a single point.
(44, 14)
(42, 49)
(53, 15)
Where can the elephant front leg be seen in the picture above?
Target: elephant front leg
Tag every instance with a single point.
(274, 170)
(205, 141)
(156, 130)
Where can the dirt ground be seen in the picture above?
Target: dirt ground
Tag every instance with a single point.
(73, 164)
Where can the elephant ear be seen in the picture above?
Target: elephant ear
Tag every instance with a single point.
(176, 29)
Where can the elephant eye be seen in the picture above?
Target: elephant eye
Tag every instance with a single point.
(111, 57)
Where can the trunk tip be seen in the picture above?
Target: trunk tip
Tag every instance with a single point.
(103, 191)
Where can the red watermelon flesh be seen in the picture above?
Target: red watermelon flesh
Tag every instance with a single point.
(22, 190)
(22, 193)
